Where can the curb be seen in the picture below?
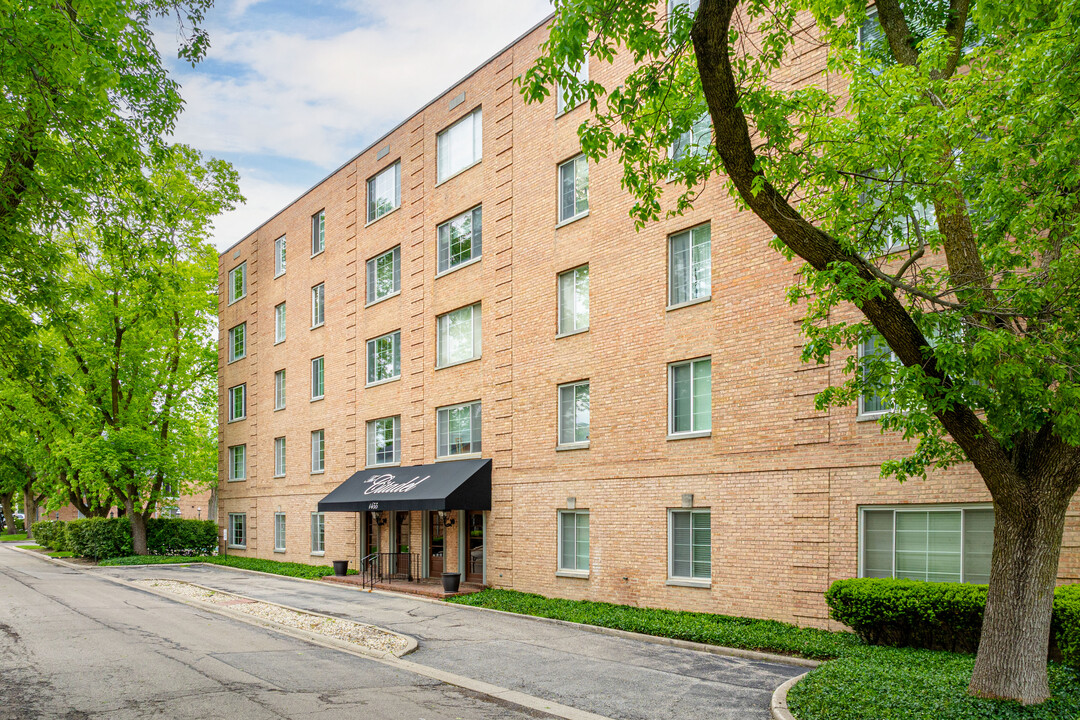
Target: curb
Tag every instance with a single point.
(779, 704)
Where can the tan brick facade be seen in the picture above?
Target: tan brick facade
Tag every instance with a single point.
(783, 481)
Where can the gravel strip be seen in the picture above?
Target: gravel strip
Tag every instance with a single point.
(365, 635)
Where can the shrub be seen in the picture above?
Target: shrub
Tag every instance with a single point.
(51, 533)
(100, 538)
(1065, 624)
(180, 536)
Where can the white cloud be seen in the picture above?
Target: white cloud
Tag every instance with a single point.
(263, 200)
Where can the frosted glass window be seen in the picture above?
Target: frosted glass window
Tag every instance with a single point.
(460, 145)
(574, 300)
(459, 336)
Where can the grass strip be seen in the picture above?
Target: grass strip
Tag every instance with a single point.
(29, 547)
(273, 567)
(61, 554)
(14, 537)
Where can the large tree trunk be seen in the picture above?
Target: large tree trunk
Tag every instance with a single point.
(9, 516)
(30, 508)
(1016, 627)
(211, 505)
(138, 529)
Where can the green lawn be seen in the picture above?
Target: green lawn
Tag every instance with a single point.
(61, 554)
(14, 537)
(29, 547)
(274, 567)
(859, 682)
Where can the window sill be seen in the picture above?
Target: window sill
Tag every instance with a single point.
(279, 550)
(279, 409)
(567, 110)
(688, 303)
(467, 263)
(318, 472)
(236, 480)
(236, 420)
(571, 333)
(572, 446)
(383, 465)
(316, 327)
(871, 417)
(462, 456)
(317, 399)
(567, 221)
(278, 342)
(689, 435)
(277, 275)
(376, 301)
(318, 553)
(455, 364)
(382, 382)
(688, 582)
(315, 255)
(276, 477)
(579, 574)
(388, 212)
(233, 302)
(236, 359)
(448, 178)
(238, 547)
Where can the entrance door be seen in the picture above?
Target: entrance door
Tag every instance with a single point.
(437, 546)
(371, 535)
(404, 566)
(474, 546)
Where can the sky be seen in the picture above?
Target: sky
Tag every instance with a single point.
(289, 91)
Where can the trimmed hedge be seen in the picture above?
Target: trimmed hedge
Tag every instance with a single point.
(1065, 624)
(100, 538)
(51, 534)
(179, 536)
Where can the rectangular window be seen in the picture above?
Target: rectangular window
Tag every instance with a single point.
(318, 533)
(237, 402)
(690, 265)
(318, 451)
(939, 545)
(279, 256)
(458, 429)
(279, 323)
(460, 239)
(690, 400)
(690, 548)
(279, 532)
(237, 463)
(237, 282)
(573, 189)
(383, 441)
(384, 275)
(279, 457)
(574, 413)
(574, 300)
(458, 336)
(238, 530)
(574, 541)
(317, 379)
(318, 305)
(318, 233)
(872, 353)
(279, 390)
(384, 192)
(238, 342)
(384, 358)
(562, 99)
(695, 141)
(460, 145)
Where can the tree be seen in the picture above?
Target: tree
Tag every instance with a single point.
(933, 183)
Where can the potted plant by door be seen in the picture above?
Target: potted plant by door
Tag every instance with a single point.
(341, 568)
(451, 581)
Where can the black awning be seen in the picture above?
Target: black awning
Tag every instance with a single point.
(453, 485)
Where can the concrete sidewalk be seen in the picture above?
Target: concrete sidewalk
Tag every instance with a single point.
(612, 676)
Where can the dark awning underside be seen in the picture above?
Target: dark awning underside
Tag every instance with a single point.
(453, 485)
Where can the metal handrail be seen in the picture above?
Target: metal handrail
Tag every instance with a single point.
(387, 567)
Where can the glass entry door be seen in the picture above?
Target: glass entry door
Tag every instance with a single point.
(474, 546)
(402, 538)
(437, 544)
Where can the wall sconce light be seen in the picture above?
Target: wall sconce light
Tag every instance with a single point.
(447, 519)
(378, 517)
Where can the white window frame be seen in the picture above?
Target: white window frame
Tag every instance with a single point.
(442, 328)
(582, 75)
(693, 237)
(572, 276)
(279, 457)
(373, 269)
(578, 213)
(234, 518)
(318, 534)
(279, 532)
(318, 305)
(372, 452)
(279, 257)
(563, 570)
(890, 356)
(575, 443)
(235, 450)
(475, 122)
(318, 233)
(242, 388)
(279, 389)
(695, 141)
(672, 433)
(690, 580)
(279, 323)
(240, 269)
(318, 378)
(473, 432)
(233, 355)
(374, 212)
(476, 235)
(318, 452)
(371, 347)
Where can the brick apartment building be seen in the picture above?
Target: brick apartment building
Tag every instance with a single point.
(456, 297)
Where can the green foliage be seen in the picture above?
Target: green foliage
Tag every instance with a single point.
(273, 567)
(14, 537)
(746, 633)
(51, 534)
(98, 538)
(101, 538)
(1065, 629)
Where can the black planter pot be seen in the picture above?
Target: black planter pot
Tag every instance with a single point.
(341, 568)
(451, 582)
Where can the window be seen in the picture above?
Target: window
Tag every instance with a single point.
(574, 413)
(238, 530)
(574, 541)
(318, 233)
(318, 533)
(874, 402)
(458, 430)
(279, 457)
(384, 358)
(279, 532)
(279, 323)
(318, 305)
(237, 463)
(573, 189)
(279, 256)
(690, 402)
(383, 441)
(317, 379)
(459, 336)
(690, 265)
(460, 145)
(237, 403)
(562, 99)
(690, 547)
(695, 141)
(574, 300)
(238, 342)
(939, 545)
(237, 282)
(279, 390)
(318, 451)
(384, 192)
(384, 275)
(459, 239)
